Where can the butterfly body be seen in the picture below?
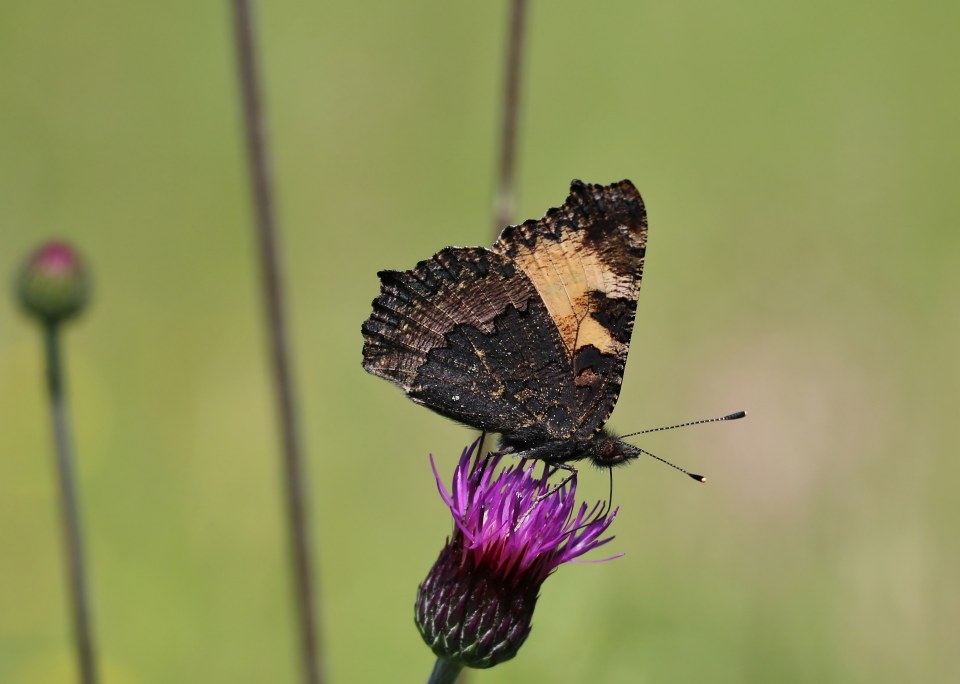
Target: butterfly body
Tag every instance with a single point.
(529, 338)
(603, 449)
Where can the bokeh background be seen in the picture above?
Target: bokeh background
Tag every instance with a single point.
(799, 162)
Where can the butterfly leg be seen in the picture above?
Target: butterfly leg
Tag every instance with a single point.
(572, 473)
(552, 491)
(483, 442)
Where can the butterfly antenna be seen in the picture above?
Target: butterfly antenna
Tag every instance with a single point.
(731, 416)
(698, 478)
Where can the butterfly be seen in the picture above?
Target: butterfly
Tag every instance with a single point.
(528, 338)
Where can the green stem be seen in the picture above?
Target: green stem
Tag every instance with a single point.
(512, 71)
(70, 518)
(268, 238)
(445, 671)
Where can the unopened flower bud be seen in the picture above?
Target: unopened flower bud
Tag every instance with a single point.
(53, 284)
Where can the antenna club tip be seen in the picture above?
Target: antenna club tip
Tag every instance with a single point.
(736, 416)
(698, 478)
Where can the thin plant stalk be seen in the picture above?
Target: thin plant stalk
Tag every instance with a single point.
(69, 509)
(273, 298)
(445, 671)
(513, 69)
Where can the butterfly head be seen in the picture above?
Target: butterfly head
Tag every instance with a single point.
(608, 451)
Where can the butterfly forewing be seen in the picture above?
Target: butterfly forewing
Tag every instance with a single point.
(527, 339)
(586, 260)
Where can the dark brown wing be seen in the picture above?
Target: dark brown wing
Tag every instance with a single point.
(585, 259)
(466, 334)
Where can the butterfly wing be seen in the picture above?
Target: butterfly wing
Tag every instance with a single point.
(466, 334)
(585, 260)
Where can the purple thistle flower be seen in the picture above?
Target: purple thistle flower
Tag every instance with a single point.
(511, 530)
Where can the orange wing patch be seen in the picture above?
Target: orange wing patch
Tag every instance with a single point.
(564, 273)
(593, 244)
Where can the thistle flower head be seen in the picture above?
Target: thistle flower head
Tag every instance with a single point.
(511, 530)
(53, 284)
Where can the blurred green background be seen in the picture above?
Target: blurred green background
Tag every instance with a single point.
(799, 162)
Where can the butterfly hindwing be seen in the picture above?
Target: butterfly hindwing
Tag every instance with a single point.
(585, 258)
(466, 334)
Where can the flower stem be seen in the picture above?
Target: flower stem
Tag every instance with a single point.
(506, 191)
(271, 274)
(445, 671)
(70, 518)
